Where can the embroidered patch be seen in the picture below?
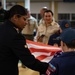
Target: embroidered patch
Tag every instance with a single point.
(25, 46)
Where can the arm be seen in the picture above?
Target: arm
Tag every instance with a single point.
(19, 48)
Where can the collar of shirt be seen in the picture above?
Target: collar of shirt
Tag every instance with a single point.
(72, 53)
(16, 29)
(51, 24)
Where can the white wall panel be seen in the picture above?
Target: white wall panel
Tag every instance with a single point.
(35, 7)
(66, 7)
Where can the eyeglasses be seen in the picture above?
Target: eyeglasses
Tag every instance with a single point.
(24, 17)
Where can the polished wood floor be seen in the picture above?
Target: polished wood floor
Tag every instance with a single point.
(27, 71)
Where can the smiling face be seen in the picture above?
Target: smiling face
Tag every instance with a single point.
(48, 17)
(19, 21)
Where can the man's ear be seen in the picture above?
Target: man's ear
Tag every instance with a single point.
(62, 43)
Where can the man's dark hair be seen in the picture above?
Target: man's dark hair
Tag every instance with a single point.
(44, 9)
(49, 11)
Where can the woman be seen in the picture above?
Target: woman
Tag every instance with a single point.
(13, 44)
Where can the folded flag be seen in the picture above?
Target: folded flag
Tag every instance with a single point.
(41, 51)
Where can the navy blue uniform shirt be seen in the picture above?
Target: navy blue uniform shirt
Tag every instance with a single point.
(13, 48)
(53, 40)
(64, 63)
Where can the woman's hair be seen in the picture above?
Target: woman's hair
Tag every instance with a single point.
(16, 10)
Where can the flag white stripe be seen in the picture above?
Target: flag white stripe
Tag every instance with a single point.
(42, 47)
(42, 52)
(36, 54)
(47, 59)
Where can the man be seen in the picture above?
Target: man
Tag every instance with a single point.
(2, 14)
(28, 31)
(42, 14)
(47, 28)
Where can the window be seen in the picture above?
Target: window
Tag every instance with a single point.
(63, 16)
(73, 17)
(34, 15)
(67, 16)
(73, 24)
(37, 16)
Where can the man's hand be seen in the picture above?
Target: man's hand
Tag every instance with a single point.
(40, 38)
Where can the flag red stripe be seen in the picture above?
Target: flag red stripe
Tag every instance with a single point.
(38, 43)
(43, 50)
(41, 57)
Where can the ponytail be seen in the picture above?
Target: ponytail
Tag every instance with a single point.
(17, 9)
(7, 15)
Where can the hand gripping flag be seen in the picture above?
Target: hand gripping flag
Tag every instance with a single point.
(41, 51)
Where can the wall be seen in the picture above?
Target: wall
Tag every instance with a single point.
(35, 7)
(66, 7)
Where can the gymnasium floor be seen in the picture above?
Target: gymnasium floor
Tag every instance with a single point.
(27, 71)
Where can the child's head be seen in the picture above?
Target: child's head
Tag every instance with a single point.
(64, 24)
(68, 37)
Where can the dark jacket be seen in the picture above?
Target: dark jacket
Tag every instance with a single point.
(64, 63)
(53, 39)
(2, 15)
(13, 48)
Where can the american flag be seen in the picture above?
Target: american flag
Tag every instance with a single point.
(41, 51)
